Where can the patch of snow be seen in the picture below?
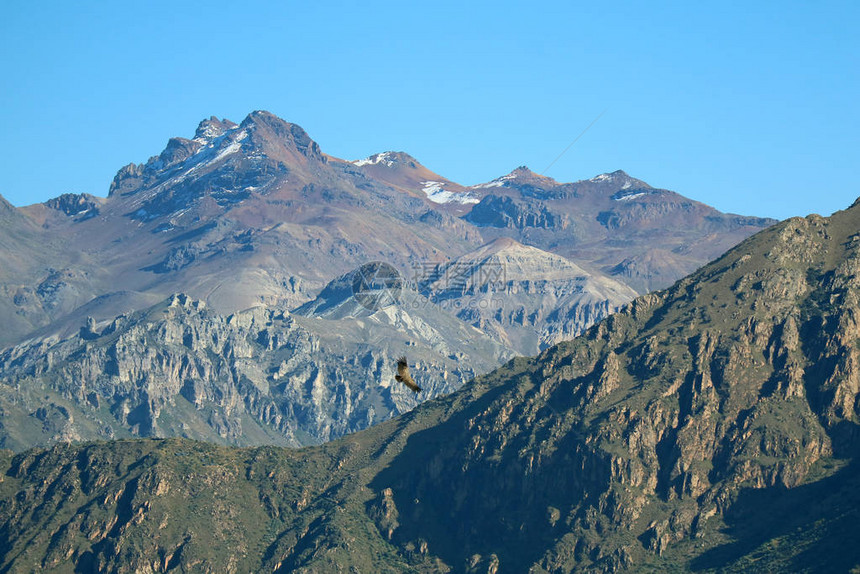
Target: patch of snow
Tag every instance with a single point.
(627, 185)
(207, 134)
(602, 177)
(438, 194)
(494, 183)
(498, 182)
(630, 196)
(204, 155)
(211, 134)
(385, 158)
(230, 149)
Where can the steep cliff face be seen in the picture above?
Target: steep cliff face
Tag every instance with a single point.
(262, 376)
(713, 425)
(637, 439)
(506, 212)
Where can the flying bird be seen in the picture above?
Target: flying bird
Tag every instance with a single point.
(404, 377)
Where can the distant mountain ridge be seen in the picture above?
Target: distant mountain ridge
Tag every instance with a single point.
(555, 298)
(255, 216)
(403, 171)
(237, 191)
(642, 236)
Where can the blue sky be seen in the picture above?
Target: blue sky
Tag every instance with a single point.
(750, 107)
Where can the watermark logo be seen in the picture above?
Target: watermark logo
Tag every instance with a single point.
(376, 285)
(459, 276)
(453, 286)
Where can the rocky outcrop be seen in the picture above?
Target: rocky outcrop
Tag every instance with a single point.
(495, 211)
(738, 378)
(525, 297)
(126, 180)
(75, 204)
(261, 376)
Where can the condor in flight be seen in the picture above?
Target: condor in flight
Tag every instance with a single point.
(404, 377)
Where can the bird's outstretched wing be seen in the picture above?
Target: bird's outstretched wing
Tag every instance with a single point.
(404, 377)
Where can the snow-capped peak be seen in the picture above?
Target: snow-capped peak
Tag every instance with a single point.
(498, 182)
(602, 177)
(614, 176)
(212, 128)
(387, 158)
(522, 173)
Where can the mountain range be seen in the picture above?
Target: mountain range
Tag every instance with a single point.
(245, 234)
(711, 426)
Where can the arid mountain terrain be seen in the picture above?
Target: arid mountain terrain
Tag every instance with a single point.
(254, 220)
(711, 426)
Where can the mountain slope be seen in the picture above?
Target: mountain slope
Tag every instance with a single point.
(239, 215)
(657, 440)
(37, 284)
(642, 236)
(255, 212)
(403, 172)
(260, 376)
(523, 296)
(255, 216)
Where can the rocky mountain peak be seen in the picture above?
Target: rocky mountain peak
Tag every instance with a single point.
(212, 128)
(126, 179)
(271, 132)
(524, 261)
(225, 162)
(389, 159)
(519, 176)
(618, 173)
(523, 171)
(617, 180)
(74, 203)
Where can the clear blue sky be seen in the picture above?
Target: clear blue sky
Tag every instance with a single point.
(749, 106)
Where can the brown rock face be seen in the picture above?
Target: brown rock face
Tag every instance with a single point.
(741, 376)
